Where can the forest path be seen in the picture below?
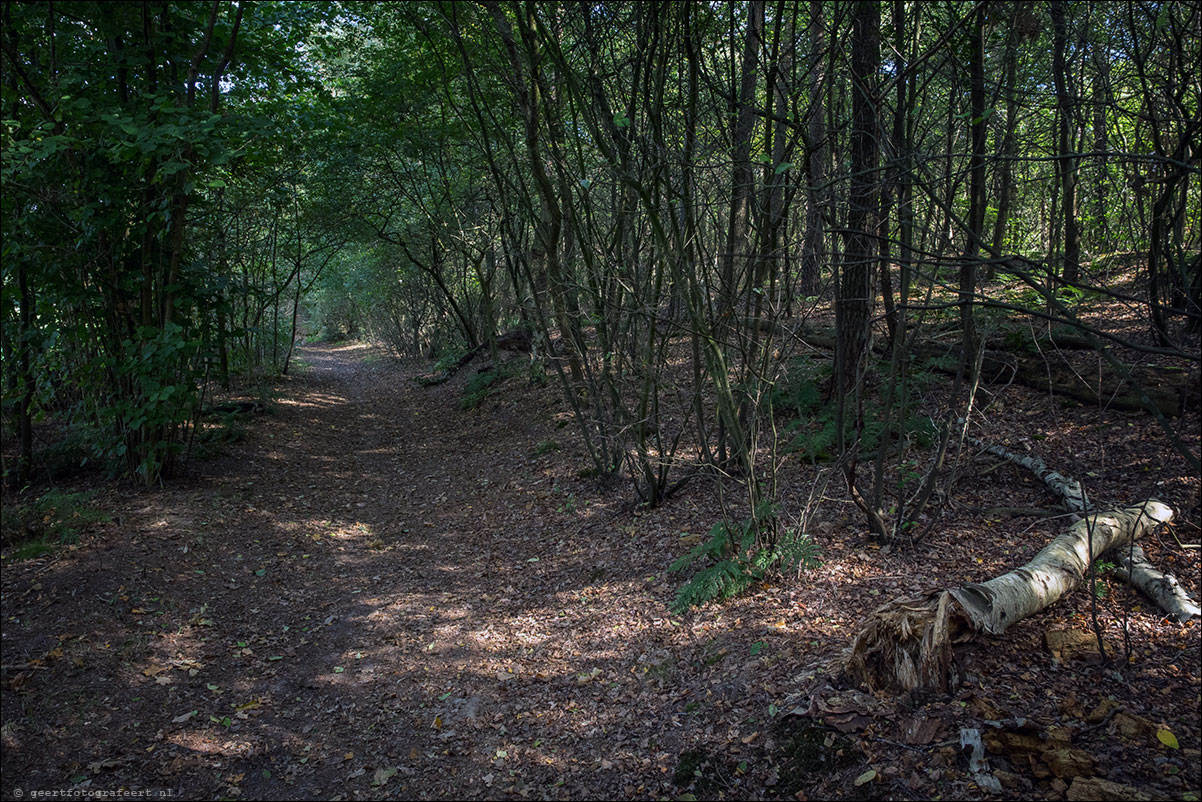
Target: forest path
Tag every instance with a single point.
(375, 593)
(378, 594)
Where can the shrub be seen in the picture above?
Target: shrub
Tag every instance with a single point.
(479, 388)
(735, 561)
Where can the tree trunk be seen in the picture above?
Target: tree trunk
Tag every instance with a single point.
(1165, 590)
(24, 468)
(1006, 177)
(976, 194)
(1065, 165)
(854, 303)
(811, 243)
(907, 643)
(995, 605)
(742, 180)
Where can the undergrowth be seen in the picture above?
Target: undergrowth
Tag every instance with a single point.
(735, 557)
(484, 384)
(52, 520)
(813, 434)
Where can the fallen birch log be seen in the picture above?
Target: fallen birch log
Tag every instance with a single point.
(1072, 494)
(907, 643)
(1134, 567)
(1165, 590)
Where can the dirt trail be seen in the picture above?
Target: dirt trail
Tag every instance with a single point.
(376, 594)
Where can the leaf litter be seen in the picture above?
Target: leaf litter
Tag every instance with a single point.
(503, 646)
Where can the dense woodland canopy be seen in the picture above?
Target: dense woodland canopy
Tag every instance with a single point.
(184, 183)
(636, 185)
(730, 235)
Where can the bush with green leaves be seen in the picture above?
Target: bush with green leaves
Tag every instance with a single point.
(486, 383)
(155, 400)
(735, 557)
(799, 391)
(479, 387)
(813, 434)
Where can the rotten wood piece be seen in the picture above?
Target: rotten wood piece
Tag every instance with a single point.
(1170, 390)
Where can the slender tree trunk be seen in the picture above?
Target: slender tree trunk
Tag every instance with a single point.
(1101, 144)
(1065, 163)
(21, 475)
(1006, 173)
(742, 181)
(903, 183)
(853, 306)
(811, 243)
(275, 290)
(976, 191)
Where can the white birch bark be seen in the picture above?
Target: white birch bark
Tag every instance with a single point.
(1072, 494)
(1165, 590)
(994, 605)
(908, 643)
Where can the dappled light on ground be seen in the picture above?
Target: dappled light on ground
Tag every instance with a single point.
(378, 594)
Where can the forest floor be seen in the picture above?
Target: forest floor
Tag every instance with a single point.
(378, 594)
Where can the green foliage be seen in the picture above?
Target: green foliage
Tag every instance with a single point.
(545, 447)
(1018, 342)
(735, 558)
(479, 387)
(450, 358)
(799, 391)
(484, 384)
(816, 439)
(1101, 569)
(54, 519)
(813, 434)
(156, 400)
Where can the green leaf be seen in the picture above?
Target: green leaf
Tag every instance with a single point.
(338, 669)
(1166, 737)
(783, 167)
(757, 647)
(866, 777)
(381, 776)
